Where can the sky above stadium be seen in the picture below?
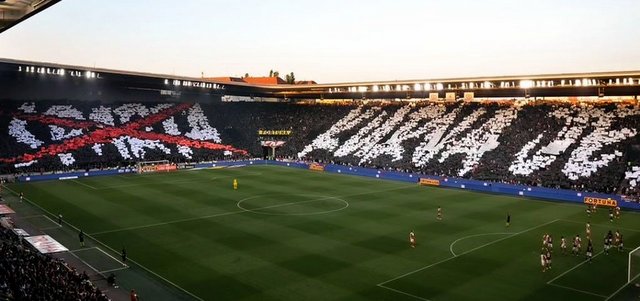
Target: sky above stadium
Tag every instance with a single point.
(335, 40)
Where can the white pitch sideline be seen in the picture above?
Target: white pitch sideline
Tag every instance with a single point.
(106, 246)
(84, 184)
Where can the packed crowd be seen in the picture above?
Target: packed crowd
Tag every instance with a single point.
(558, 145)
(25, 274)
(580, 147)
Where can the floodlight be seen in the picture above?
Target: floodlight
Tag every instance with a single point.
(526, 84)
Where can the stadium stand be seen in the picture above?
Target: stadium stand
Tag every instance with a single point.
(552, 144)
(25, 274)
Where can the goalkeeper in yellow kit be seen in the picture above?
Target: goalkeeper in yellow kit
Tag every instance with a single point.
(235, 184)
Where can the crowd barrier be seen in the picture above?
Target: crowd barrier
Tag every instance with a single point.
(450, 182)
(74, 175)
(563, 195)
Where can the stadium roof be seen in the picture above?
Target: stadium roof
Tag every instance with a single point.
(632, 73)
(13, 12)
(565, 84)
(265, 80)
(240, 82)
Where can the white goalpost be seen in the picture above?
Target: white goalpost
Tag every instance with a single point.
(633, 270)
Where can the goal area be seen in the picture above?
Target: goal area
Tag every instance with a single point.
(155, 166)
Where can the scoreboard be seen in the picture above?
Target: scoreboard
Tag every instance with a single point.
(274, 132)
(273, 135)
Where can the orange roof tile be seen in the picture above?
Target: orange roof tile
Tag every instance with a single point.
(265, 80)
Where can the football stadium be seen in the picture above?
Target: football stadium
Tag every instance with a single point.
(130, 185)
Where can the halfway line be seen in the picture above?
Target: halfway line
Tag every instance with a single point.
(239, 211)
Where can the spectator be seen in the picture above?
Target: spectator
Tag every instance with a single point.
(577, 146)
(25, 274)
(111, 280)
(133, 295)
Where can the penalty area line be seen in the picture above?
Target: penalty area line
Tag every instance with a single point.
(474, 235)
(467, 252)
(573, 268)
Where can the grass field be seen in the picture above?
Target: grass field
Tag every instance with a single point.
(290, 234)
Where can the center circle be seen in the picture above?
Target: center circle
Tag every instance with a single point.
(292, 204)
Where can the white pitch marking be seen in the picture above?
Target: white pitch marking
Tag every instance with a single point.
(76, 256)
(475, 235)
(403, 292)
(232, 212)
(577, 290)
(257, 210)
(622, 287)
(467, 252)
(573, 268)
(84, 184)
(81, 249)
(47, 217)
(106, 246)
(113, 270)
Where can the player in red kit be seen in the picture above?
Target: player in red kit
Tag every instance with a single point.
(412, 239)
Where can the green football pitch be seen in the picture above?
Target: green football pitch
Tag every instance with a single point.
(291, 234)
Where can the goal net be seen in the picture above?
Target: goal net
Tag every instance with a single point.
(155, 166)
(634, 265)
